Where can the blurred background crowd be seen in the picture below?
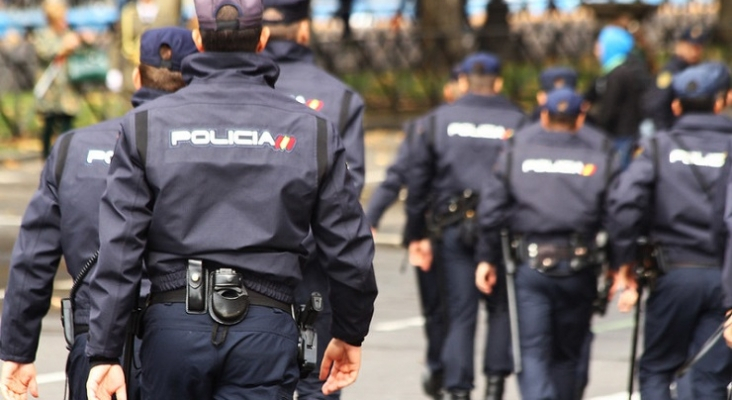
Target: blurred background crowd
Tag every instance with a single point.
(69, 63)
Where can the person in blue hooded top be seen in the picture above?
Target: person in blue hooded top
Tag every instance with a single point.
(616, 95)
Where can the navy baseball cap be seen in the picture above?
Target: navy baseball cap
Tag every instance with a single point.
(285, 11)
(179, 40)
(481, 63)
(250, 14)
(564, 101)
(557, 78)
(701, 81)
(695, 34)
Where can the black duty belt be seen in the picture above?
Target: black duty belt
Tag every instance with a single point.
(255, 299)
(80, 329)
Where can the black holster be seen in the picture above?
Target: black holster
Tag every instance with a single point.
(308, 342)
(219, 292)
(460, 210)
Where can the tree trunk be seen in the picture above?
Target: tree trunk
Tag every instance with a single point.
(724, 25)
(441, 23)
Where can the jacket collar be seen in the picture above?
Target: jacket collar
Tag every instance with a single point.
(703, 122)
(284, 51)
(144, 95)
(229, 67)
(495, 101)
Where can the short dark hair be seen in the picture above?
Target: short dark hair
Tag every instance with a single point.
(479, 82)
(161, 78)
(698, 105)
(230, 40)
(569, 121)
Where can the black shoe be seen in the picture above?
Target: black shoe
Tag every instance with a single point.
(494, 387)
(432, 384)
(457, 395)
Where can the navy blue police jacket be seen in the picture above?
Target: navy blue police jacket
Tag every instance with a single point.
(232, 172)
(396, 178)
(674, 178)
(62, 219)
(310, 85)
(658, 97)
(588, 132)
(455, 148)
(721, 228)
(546, 187)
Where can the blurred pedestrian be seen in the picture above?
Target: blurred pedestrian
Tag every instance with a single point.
(58, 100)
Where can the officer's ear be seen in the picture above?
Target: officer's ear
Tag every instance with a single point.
(136, 78)
(462, 84)
(541, 98)
(720, 104)
(544, 118)
(303, 33)
(677, 108)
(197, 40)
(263, 39)
(580, 121)
(498, 85)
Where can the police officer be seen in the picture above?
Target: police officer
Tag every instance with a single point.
(673, 178)
(456, 146)
(289, 25)
(62, 220)
(216, 187)
(548, 192)
(428, 281)
(657, 99)
(549, 79)
(616, 94)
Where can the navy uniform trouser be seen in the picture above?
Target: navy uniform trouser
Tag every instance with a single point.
(682, 312)
(461, 301)
(77, 370)
(554, 320)
(315, 280)
(433, 311)
(257, 360)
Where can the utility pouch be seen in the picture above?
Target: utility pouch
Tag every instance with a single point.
(468, 227)
(228, 298)
(195, 288)
(67, 321)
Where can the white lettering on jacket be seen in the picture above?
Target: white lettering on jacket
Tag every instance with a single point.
(567, 167)
(209, 137)
(713, 160)
(99, 155)
(484, 131)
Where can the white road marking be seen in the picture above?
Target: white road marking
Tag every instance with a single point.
(399, 325)
(10, 220)
(618, 396)
(53, 377)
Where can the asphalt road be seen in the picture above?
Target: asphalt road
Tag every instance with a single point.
(393, 353)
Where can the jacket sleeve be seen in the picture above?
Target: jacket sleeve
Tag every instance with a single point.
(629, 202)
(388, 190)
(353, 140)
(421, 172)
(124, 217)
(33, 266)
(726, 178)
(345, 248)
(495, 201)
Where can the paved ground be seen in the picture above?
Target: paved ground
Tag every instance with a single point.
(393, 352)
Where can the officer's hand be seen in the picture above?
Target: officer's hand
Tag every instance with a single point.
(340, 366)
(626, 283)
(420, 254)
(106, 380)
(17, 380)
(485, 277)
(728, 330)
